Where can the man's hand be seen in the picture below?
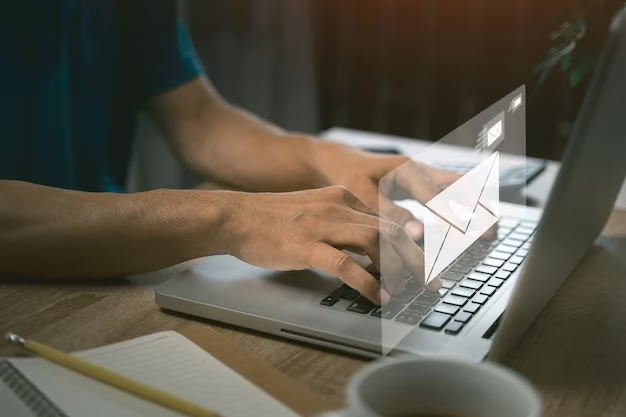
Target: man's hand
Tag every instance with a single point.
(309, 229)
(380, 179)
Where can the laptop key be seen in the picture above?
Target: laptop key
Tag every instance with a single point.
(478, 276)
(519, 236)
(493, 262)
(351, 295)
(329, 301)
(340, 292)
(525, 230)
(447, 309)
(507, 222)
(463, 317)
(471, 307)
(442, 292)
(409, 317)
(486, 269)
(516, 260)
(413, 287)
(529, 224)
(526, 246)
(455, 300)
(479, 299)
(483, 244)
(428, 298)
(522, 253)
(454, 327)
(404, 297)
(471, 262)
(391, 309)
(495, 282)
(435, 321)
(500, 255)
(461, 269)
(503, 232)
(418, 308)
(452, 276)
(507, 249)
(478, 254)
(472, 284)
(377, 312)
(464, 292)
(509, 267)
(511, 242)
(487, 290)
(502, 274)
(362, 306)
(446, 283)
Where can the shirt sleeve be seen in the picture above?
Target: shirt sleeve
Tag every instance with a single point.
(161, 50)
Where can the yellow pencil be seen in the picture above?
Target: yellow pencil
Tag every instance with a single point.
(111, 378)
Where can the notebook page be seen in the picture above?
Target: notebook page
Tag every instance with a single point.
(167, 361)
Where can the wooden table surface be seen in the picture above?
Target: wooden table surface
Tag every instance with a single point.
(575, 353)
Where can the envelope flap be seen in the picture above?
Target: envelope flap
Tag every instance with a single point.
(490, 197)
(457, 203)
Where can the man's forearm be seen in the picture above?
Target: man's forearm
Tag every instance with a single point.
(244, 151)
(223, 142)
(51, 232)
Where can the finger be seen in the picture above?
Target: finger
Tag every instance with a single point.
(442, 178)
(389, 264)
(415, 179)
(359, 205)
(395, 213)
(391, 268)
(424, 182)
(402, 216)
(333, 262)
(409, 252)
(365, 239)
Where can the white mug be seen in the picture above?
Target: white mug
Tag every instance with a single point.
(440, 387)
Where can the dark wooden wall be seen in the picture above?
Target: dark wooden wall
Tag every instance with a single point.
(420, 68)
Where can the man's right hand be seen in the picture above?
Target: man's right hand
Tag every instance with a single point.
(49, 232)
(309, 229)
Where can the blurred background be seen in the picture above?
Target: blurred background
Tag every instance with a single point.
(416, 68)
(413, 68)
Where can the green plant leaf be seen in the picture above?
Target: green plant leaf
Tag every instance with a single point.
(581, 70)
(576, 76)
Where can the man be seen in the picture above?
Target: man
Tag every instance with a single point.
(74, 74)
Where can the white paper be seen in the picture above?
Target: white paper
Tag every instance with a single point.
(167, 361)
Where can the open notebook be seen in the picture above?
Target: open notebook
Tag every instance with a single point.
(167, 361)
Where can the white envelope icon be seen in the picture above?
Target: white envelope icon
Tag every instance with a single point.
(460, 215)
(494, 133)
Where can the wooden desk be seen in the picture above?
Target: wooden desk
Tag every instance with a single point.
(575, 353)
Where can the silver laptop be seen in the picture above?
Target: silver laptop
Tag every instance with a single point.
(492, 292)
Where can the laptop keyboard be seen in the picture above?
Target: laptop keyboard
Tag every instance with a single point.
(467, 284)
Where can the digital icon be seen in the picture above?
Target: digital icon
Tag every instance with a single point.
(494, 133)
(515, 103)
(460, 215)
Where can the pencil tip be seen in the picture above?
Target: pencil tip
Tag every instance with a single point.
(15, 339)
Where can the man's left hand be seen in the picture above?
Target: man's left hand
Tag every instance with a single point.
(380, 179)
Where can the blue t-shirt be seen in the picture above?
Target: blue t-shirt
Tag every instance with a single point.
(73, 76)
